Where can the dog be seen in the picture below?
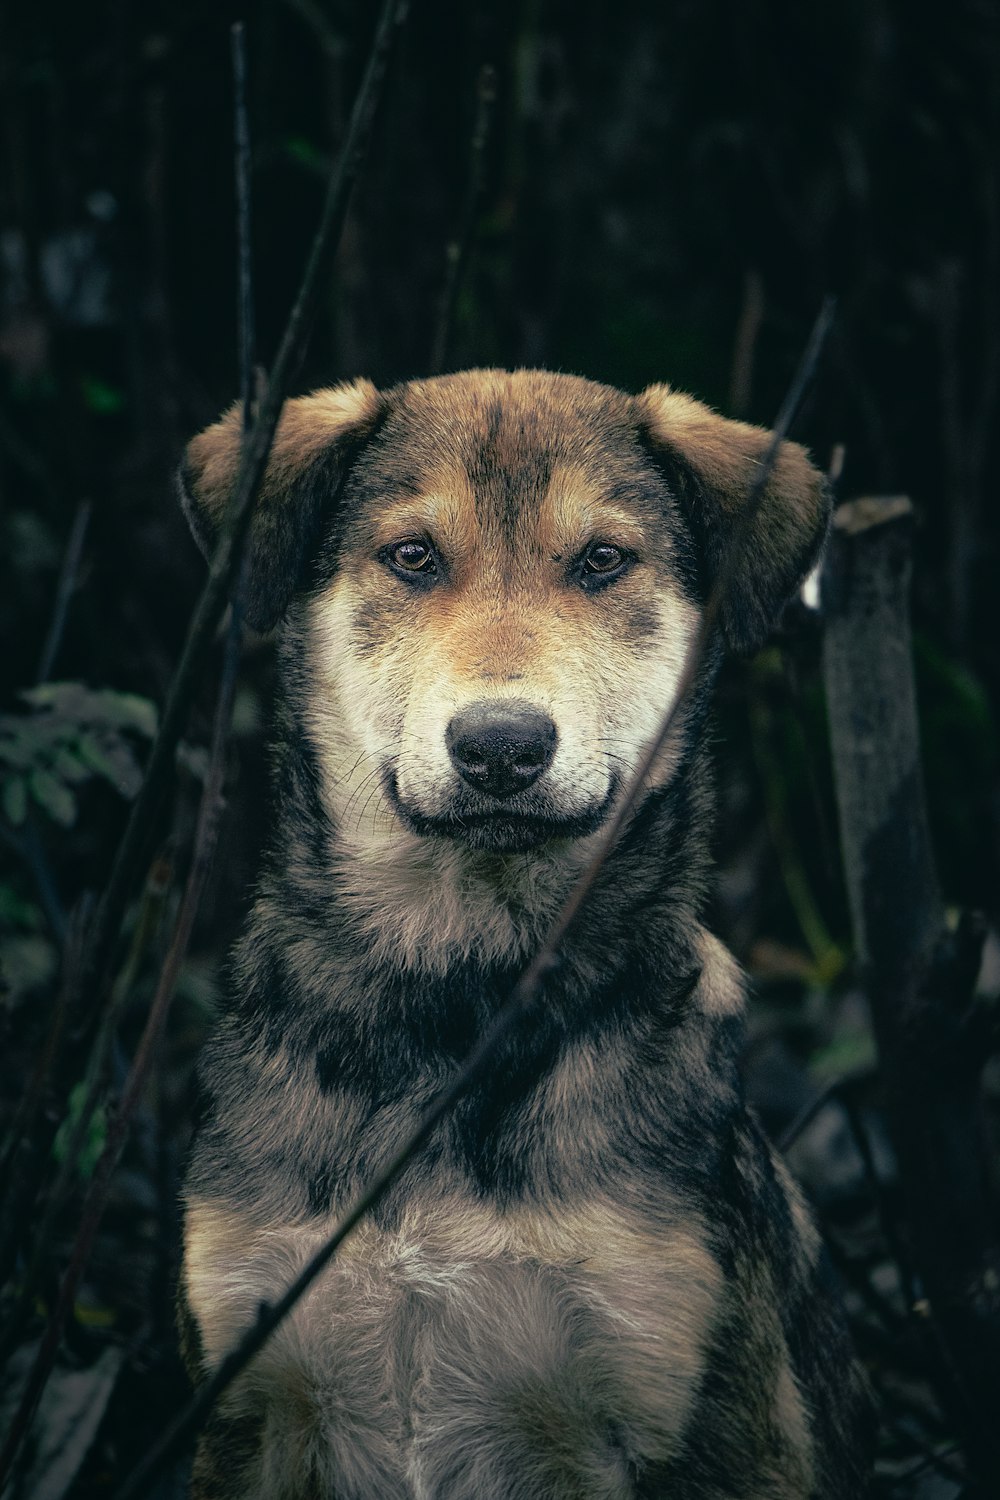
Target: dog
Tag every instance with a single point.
(595, 1281)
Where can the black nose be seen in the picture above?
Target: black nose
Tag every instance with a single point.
(501, 748)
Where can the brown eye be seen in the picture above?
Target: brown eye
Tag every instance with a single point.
(412, 557)
(603, 558)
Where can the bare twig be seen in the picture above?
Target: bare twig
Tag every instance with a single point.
(27, 845)
(95, 1201)
(88, 983)
(226, 557)
(64, 589)
(156, 885)
(522, 999)
(20, 1177)
(94, 1083)
(831, 1094)
(745, 344)
(209, 817)
(459, 248)
(883, 1210)
(936, 1459)
(826, 956)
(244, 239)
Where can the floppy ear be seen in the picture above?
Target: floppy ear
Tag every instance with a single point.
(314, 442)
(711, 464)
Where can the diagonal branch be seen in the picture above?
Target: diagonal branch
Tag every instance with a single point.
(210, 814)
(224, 570)
(525, 994)
(251, 472)
(95, 1201)
(86, 982)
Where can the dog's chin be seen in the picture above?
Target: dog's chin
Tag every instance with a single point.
(496, 827)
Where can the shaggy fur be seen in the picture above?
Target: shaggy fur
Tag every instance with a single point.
(595, 1282)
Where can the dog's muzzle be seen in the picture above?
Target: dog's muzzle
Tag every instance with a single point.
(501, 748)
(500, 799)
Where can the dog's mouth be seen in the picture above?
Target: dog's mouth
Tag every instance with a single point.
(486, 823)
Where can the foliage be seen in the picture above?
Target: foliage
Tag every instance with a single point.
(68, 735)
(659, 181)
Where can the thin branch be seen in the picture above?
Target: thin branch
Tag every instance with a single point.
(745, 343)
(831, 1094)
(64, 589)
(459, 248)
(226, 557)
(156, 884)
(88, 983)
(95, 1201)
(27, 845)
(94, 1083)
(21, 1179)
(522, 999)
(257, 442)
(883, 1210)
(931, 1459)
(244, 240)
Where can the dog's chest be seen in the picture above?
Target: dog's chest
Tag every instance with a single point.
(464, 1318)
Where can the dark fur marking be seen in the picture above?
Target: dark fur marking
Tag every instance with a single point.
(623, 1088)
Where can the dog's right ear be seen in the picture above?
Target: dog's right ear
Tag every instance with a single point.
(713, 464)
(314, 442)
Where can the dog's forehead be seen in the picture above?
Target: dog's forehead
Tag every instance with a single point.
(502, 445)
(517, 422)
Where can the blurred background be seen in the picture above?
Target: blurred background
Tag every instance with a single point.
(666, 190)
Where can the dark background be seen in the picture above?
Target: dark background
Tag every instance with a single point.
(669, 191)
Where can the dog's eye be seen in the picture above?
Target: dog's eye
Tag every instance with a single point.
(412, 556)
(601, 564)
(601, 557)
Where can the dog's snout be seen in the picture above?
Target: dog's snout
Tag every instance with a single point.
(501, 748)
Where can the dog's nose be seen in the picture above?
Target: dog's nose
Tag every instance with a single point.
(501, 748)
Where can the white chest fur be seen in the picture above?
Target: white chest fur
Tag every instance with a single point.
(461, 1349)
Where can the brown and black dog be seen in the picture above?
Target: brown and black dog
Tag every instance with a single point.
(596, 1281)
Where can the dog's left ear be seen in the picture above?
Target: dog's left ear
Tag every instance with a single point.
(711, 465)
(314, 443)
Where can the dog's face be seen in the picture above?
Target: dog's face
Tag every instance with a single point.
(501, 576)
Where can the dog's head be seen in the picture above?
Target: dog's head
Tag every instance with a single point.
(497, 579)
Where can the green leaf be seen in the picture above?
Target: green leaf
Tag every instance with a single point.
(28, 961)
(103, 708)
(71, 700)
(97, 1132)
(306, 154)
(111, 758)
(16, 912)
(70, 767)
(15, 800)
(17, 749)
(124, 711)
(852, 1053)
(54, 796)
(101, 398)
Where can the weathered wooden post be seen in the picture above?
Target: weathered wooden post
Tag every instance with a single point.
(918, 974)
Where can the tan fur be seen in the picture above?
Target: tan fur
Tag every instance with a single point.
(590, 1284)
(653, 1296)
(727, 455)
(308, 425)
